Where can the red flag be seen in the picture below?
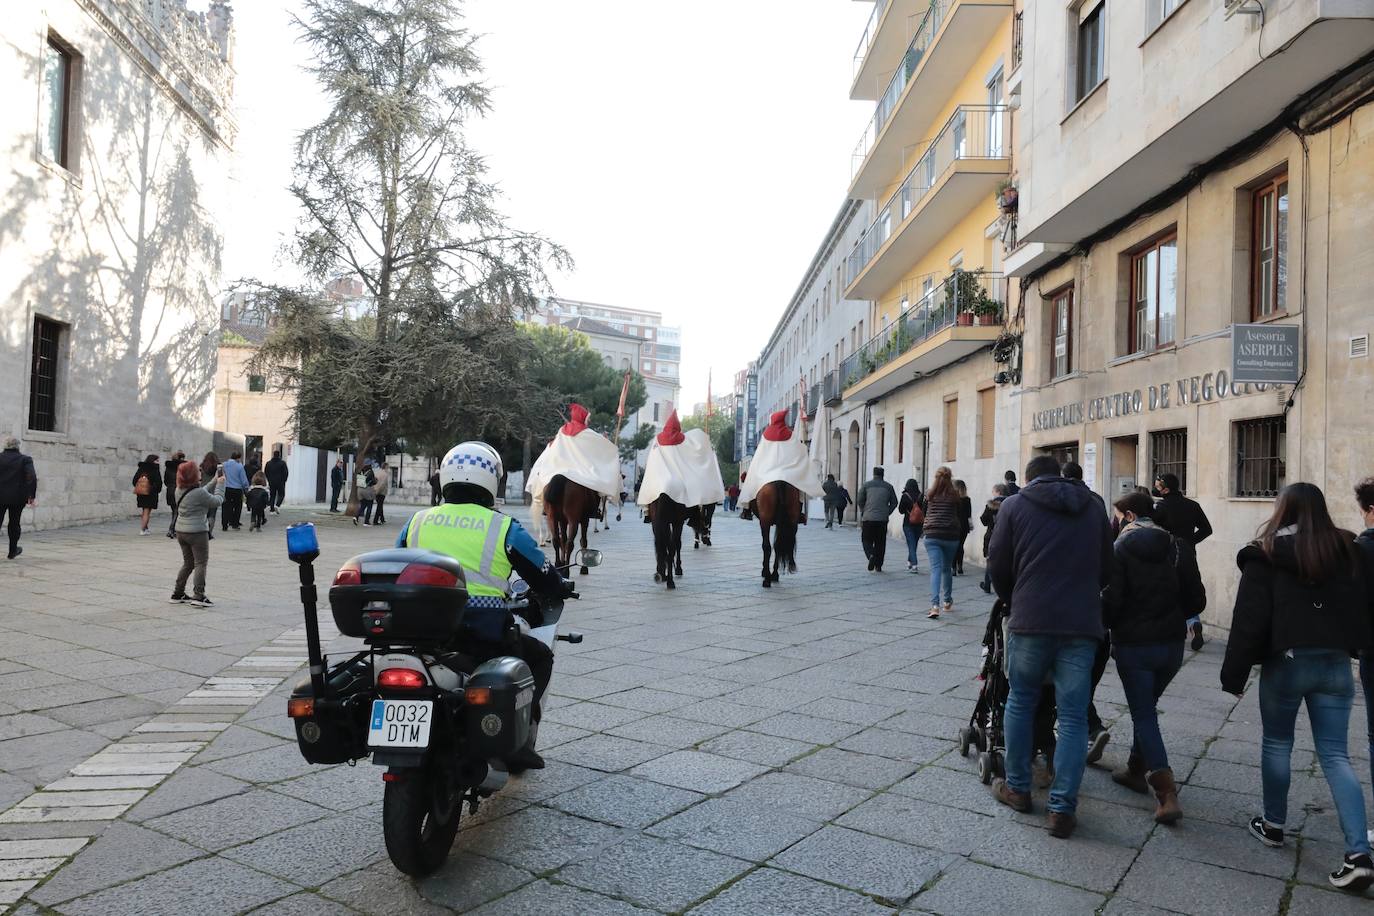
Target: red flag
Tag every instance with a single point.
(624, 393)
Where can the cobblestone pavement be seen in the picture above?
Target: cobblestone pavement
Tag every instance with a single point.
(716, 750)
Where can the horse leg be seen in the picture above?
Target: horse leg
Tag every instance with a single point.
(584, 570)
(767, 553)
(677, 548)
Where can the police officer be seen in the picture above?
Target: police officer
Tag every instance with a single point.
(489, 546)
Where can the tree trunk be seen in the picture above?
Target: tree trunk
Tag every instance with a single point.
(367, 437)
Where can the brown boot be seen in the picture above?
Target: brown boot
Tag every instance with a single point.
(1017, 801)
(1167, 810)
(1132, 776)
(1061, 824)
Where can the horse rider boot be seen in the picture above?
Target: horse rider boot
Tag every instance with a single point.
(489, 546)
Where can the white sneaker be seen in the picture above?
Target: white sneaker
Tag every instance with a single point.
(367, 524)
(144, 533)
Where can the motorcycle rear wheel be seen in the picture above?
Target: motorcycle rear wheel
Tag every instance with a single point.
(420, 821)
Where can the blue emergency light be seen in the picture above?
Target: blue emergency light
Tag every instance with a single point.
(302, 543)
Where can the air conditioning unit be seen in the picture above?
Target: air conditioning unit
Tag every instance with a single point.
(1239, 6)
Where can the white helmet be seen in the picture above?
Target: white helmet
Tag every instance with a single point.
(473, 463)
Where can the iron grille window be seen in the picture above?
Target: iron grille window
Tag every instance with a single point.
(1261, 457)
(43, 375)
(1169, 455)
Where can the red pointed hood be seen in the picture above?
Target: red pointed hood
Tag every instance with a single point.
(578, 421)
(778, 430)
(672, 431)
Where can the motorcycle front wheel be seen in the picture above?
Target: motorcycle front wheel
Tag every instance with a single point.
(420, 820)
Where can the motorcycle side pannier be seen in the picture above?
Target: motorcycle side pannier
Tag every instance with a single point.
(500, 702)
(399, 595)
(336, 733)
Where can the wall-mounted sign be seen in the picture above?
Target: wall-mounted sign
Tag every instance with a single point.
(1196, 389)
(1265, 353)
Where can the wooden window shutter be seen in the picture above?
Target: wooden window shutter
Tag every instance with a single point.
(987, 421)
(951, 428)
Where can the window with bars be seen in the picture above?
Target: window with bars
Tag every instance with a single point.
(1261, 450)
(1154, 295)
(1269, 254)
(1169, 455)
(43, 375)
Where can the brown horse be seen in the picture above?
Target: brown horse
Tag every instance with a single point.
(667, 516)
(779, 505)
(699, 520)
(569, 507)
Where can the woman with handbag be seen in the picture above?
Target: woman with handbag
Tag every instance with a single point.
(913, 519)
(147, 484)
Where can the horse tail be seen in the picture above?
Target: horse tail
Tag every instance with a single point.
(785, 545)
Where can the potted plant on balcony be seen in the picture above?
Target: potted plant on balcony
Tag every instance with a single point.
(1007, 196)
(987, 311)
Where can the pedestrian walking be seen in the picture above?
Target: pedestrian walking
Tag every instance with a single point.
(1302, 610)
(831, 499)
(732, 492)
(1155, 587)
(1009, 478)
(435, 494)
(209, 470)
(1364, 498)
(1051, 555)
(236, 483)
(337, 476)
(18, 488)
(943, 531)
(195, 508)
(912, 507)
(383, 488)
(367, 491)
(1098, 734)
(259, 500)
(169, 488)
(877, 500)
(965, 524)
(845, 502)
(253, 465)
(276, 473)
(147, 484)
(1183, 518)
(989, 520)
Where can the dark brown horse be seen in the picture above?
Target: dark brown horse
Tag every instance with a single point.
(667, 516)
(779, 505)
(569, 507)
(699, 520)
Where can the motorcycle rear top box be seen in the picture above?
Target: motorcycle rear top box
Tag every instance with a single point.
(379, 609)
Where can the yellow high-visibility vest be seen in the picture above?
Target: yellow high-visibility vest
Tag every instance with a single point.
(472, 535)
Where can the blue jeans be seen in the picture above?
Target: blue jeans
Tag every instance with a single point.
(1322, 679)
(1030, 660)
(913, 537)
(1367, 679)
(1145, 672)
(941, 554)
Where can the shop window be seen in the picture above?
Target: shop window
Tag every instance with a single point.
(1169, 455)
(1061, 312)
(951, 428)
(1269, 251)
(1260, 449)
(1064, 452)
(44, 374)
(1154, 295)
(987, 421)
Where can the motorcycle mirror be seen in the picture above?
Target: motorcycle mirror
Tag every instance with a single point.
(589, 557)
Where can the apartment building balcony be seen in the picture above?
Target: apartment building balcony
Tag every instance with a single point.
(886, 36)
(939, 328)
(958, 170)
(949, 38)
(833, 388)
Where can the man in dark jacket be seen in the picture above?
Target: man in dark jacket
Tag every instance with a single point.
(276, 473)
(834, 502)
(1184, 519)
(877, 501)
(18, 488)
(1050, 558)
(1010, 478)
(336, 482)
(169, 487)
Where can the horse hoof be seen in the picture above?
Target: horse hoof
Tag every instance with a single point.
(583, 571)
(671, 585)
(696, 546)
(678, 572)
(791, 567)
(767, 583)
(657, 577)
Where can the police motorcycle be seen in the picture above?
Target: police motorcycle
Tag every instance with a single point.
(416, 699)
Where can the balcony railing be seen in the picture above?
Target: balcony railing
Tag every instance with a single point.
(870, 33)
(906, 69)
(975, 293)
(1017, 38)
(972, 132)
(833, 388)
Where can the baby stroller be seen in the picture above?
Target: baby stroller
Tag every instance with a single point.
(985, 728)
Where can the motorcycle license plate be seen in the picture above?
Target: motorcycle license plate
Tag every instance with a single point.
(400, 723)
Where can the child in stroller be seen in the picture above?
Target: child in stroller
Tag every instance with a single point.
(984, 730)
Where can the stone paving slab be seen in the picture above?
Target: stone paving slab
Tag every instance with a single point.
(717, 749)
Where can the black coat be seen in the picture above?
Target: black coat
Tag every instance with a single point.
(989, 520)
(1154, 589)
(1183, 518)
(150, 470)
(833, 499)
(966, 514)
(169, 474)
(276, 472)
(1276, 610)
(1050, 557)
(18, 482)
(336, 477)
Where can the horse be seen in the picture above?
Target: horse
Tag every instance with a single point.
(667, 517)
(605, 517)
(700, 522)
(778, 504)
(568, 507)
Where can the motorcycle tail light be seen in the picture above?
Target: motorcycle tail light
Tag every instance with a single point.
(477, 696)
(300, 707)
(350, 574)
(401, 678)
(424, 574)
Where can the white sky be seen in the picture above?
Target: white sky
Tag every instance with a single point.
(689, 155)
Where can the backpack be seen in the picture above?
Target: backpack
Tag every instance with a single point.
(916, 515)
(143, 486)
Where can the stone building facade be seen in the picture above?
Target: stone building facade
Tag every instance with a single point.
(116, 132)
(1220, 187)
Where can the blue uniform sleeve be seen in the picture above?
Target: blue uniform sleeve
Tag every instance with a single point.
(405, 530)
(518, 541)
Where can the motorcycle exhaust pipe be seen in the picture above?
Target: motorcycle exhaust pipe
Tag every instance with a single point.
(494, 781)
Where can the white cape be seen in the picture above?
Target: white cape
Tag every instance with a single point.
(787, 461)
(687, 473)
(588, 458)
